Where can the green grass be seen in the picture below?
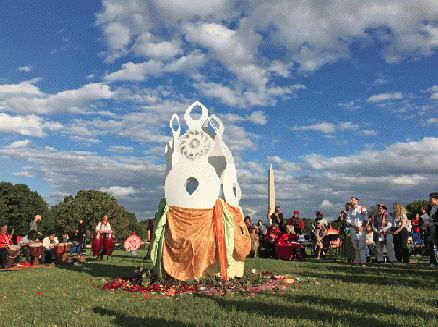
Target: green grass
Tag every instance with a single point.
(400, 295)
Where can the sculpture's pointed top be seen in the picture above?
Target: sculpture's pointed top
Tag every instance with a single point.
(270, 166)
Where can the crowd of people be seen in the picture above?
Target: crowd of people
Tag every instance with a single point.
(77, 241)
(360, 235)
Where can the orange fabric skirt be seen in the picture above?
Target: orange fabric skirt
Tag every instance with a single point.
(191, 242)
(190, 246)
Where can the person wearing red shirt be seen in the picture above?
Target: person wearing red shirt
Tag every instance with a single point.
(296, 222)
(5, 240)
(272, 238)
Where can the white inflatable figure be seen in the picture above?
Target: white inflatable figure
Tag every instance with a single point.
(202, 157)
(194, 148)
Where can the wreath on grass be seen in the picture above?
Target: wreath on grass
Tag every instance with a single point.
(250, 284)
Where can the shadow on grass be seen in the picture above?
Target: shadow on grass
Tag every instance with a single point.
(121, 319)
(107, 269)
(397, 275)
(321, 310)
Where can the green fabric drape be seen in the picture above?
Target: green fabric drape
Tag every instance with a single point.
(158, 241)
(229, 232)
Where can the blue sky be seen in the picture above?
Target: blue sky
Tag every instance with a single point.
(340, 96)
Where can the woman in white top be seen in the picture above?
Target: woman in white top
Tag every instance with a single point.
(104, 226)
(400, 234)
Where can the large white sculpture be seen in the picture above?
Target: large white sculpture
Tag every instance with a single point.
(199, 164)
(196, 234)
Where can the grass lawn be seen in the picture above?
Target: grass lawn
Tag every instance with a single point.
(331, 294)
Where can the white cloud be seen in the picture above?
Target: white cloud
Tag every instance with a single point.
(326, 204)
(118, 191)
(434, 92)
(118, 35)
(25, 68)
(18, 144)
(256, 117)
(324, 127)
(23, 89)
(146, 45)
(30, 125)
(369, 132)
(349, 105)
(90, 76)
(26, 97)
(120, 149)
(347, 125)
(309, 34)
(385, 97)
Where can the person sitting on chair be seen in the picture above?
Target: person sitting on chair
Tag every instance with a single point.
(272, 238)
(30, 238)
(5, 240)
(49, 243)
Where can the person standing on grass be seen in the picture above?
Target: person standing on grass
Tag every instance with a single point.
(433, 200)
(247, 222)
(150, 229)
(357, 220)
(262, 232)
(296, 223)
(82, 235)
(103, 227)
(382, 223)
(34, 224)
(428, 235)
(277, 218)
(400, 233)
(347, 249)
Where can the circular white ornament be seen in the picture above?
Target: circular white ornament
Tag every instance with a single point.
(195, 144)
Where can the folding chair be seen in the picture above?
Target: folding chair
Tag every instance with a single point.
(331, 245)
(308, 244)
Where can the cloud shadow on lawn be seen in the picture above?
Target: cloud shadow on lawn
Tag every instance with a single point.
(97, 269)
(295, 311)
(121, 319)
(383, 275)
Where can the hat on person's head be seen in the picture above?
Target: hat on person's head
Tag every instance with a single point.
(2, 224)
(319, 213)
(434, 195)
(296, 212)
(381, 204)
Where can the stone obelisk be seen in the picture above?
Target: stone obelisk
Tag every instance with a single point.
(271, 192)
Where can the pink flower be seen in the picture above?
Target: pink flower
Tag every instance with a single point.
(39, 293)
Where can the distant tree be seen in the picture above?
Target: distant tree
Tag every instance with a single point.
(89, 206)
(372, 211)
(22, 206)
(413, 208)
(308, 222)
(3, 210)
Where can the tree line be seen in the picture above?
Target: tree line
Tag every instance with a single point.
(19, 205)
